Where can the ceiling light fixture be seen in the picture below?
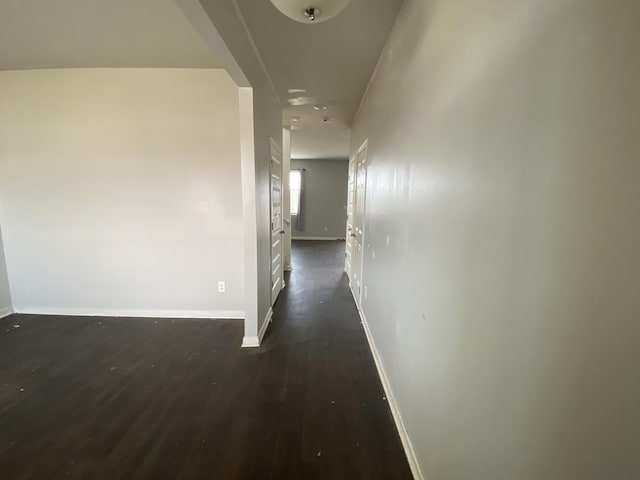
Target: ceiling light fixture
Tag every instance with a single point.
(312, 13)
(319, 106)
(318, 11)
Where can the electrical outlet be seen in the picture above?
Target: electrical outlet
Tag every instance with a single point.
(221, 287)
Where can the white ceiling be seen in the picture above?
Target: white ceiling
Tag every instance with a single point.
(98, 33)
(332, 61)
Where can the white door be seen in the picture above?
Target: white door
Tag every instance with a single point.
(277, 282)
(357, 235)
(351, 192)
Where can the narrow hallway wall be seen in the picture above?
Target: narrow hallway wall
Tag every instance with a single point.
(501, 245)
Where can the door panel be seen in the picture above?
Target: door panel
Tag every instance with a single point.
(357, 235)
(351, 192)
(277, 281)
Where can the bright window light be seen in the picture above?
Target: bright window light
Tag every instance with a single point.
(295, 182)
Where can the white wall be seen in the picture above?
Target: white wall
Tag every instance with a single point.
(5, 293)
(503, 211)
(121, 191)
(286, 197)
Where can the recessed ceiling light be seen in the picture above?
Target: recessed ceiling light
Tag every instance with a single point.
(297, 101)
(295, 119)
(319, 107)
(297, 90)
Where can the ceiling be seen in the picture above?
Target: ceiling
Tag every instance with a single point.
(98, 33)
(331, 61)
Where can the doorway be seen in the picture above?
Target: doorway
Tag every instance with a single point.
(355, 247)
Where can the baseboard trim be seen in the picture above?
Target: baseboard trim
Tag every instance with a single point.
(265, 324)
(250, 341)
(395, 411)
(317, 238)
(5, 312)
(256, 340)
(78, 312)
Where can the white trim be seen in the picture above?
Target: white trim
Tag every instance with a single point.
(395, 410)
(256, 340)
(250, 342)
(317, 238)
(84, 312)
(5, 312)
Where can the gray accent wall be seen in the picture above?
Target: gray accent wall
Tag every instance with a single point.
(325, 197)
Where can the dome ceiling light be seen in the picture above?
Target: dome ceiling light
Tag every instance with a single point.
(310, 11)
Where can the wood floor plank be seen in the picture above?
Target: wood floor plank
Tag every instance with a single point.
(127, 398)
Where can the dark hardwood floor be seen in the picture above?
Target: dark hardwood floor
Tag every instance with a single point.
(115, 398)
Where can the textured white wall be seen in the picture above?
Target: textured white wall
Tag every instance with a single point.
(121, 191)
(5, 294)
(503, 210)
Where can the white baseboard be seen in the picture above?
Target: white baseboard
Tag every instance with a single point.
(402, 430)
(5, 312)
(256, 340)
(81, 312)
(317, 238)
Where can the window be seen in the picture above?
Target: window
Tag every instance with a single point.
(295, 183)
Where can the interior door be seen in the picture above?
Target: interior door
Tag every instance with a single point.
(351, 192)
(357, 235)
(277, 230)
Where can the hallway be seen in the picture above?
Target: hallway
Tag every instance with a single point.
(110, 398)
(317, 340)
